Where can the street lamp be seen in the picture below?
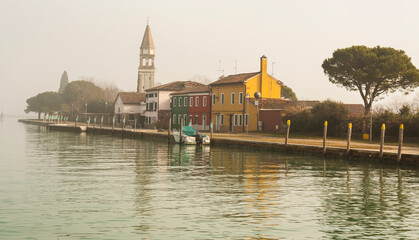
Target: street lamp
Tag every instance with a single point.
(86, 110)
(106, 107)
(257, 96)
(247, 110)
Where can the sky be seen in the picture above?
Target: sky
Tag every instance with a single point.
(100, 40)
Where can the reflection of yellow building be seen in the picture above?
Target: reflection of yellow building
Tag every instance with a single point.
(230, 108)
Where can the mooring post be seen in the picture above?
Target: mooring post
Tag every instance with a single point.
(399, 152)
(348, 145)
(169, 130)
(113, 123)
(288, 132)
(383, 131)
(324, 137)
(180, 132)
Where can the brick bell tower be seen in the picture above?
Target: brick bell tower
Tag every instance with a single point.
(146, 68)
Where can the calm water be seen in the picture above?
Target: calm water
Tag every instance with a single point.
(62, 185)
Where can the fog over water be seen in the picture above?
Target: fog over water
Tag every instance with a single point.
(101, 39)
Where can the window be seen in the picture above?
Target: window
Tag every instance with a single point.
(179, 119)
(185, 101)
(196, 120)
(241, 98)
(213, 99)
(185, 120)
(150, 62)
(174, 118)
(222, 119)
(232, 98)
(222, 98)
(204, 101)
(155, 95)
(144, 61)
(240, 119)
(190, 101)
(235, 119)
(246, 119)
(155, 106)
(190, 119)
(131, 117)
(174, 101)
(180, 101)
(196, 101)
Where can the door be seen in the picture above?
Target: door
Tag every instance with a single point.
(217, 123)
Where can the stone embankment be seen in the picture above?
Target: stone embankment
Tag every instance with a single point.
(336, 149)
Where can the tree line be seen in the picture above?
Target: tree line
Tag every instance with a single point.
(78, 97)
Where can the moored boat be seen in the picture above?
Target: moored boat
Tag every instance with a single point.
(190, 136)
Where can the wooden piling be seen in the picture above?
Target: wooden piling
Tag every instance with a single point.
(399, 152)
(348, 145)
(169, 130)
(324, 137)
(180, 132)
(383, 131)
(288, 132)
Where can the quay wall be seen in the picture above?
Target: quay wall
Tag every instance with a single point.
(332, 152)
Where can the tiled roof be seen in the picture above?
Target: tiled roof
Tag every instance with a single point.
(199, 89)
(276, 103)
(236, 78)
(176, 86)
(132, 97)
(355, 109)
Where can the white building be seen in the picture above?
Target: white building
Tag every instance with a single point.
(158, 101)
(132, 105)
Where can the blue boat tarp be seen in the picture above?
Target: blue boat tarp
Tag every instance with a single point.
(188, 131)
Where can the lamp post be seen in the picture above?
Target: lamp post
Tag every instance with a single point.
(257, 96)
(106, 107)
(86, 110)
(247, 111)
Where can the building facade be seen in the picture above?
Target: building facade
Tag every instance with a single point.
(193, 106)
(231, 109)
(158, 101)
(132, 106)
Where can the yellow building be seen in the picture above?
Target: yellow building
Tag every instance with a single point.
(231, 108)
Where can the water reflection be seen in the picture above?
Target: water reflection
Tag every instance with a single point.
(96, 186)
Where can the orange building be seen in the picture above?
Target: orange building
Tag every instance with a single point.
(231, 109)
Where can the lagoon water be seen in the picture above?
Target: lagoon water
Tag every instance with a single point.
(63, 185)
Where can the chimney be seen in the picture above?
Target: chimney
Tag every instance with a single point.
(263, 72)
(264, 65)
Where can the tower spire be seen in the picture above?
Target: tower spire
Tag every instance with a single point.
(146, 67)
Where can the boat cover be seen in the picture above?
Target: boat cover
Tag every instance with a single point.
(188, 131)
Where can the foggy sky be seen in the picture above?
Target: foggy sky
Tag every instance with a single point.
(100, 39)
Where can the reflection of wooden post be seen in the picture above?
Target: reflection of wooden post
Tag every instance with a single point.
(212, 130)
(288, 132)
(383, 131)
(169, 130)
(324, 137)
(181, 127)
(348, 145)
(399, 152)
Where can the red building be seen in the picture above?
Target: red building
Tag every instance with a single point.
(199, 103)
